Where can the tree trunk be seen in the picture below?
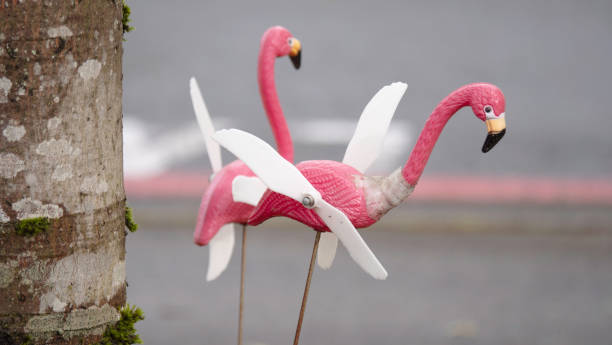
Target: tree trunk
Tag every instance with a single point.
(60, 160)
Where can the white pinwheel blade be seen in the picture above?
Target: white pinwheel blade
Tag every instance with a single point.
(327, 250)
(342, 227)
(220, 251)
(206, 126)
(248, 190)
(369, 136)
(274, 171)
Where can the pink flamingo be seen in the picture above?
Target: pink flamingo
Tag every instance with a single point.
(365, 199)
(218, 212)
(298, 191)
(362, 198)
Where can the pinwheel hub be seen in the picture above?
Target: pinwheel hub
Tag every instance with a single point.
(308, 201)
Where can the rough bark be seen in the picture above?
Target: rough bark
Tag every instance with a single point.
(61, 158)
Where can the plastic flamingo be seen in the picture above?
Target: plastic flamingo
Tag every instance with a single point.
(218, 212)
(363, 199)
(367, 141)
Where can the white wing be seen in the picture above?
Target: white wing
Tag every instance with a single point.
(220, 250)
(342, 227)
(327, 250)
(364, 148)
(248, 190)
(205, 123)
(275, 171)
(369, 136)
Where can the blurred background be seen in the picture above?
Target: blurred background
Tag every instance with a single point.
(509, 247)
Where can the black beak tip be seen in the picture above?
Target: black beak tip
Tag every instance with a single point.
(492, 139)
(296, 60)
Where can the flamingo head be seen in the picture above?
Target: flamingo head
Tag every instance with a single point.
(489, 105)
(284, 44)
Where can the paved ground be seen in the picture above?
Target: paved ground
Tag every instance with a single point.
(468, 283)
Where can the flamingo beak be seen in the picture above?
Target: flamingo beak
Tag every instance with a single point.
(496, 129)
(296, 53)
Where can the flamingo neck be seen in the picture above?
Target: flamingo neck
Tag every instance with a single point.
(433, 127)
(269, 97)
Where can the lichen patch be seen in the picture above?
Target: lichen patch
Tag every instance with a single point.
(118, 276)
(93, 184)
(53, 122)
(14, 133)
(90, 69)
(91, 317)
(5, 88)
(60, 31)
(83, 277)
(55, 148)
(28, 208)
(36, 272)
(3, 217)
(44, 323)
(31, 179)
(50, 300)
(66, 69)
(37, 69)
(7, 273)
(62, 172)
(10, 165)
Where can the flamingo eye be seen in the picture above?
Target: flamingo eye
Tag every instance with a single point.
(488, 109)
(290, 41)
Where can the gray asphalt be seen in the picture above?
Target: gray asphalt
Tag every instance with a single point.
(448, 284)
(551, 59)
(442, 289)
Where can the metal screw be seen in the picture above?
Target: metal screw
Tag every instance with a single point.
(308, 201)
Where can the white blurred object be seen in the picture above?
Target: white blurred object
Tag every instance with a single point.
(220, 250)
(328, 244)
(206, 125)
(146, 153)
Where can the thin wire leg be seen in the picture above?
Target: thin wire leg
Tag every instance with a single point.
(242, 269)
(307, 289)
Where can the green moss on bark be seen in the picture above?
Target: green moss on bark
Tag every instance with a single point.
(129, 220)
(126, 18)
(124, 332)
(32, 226)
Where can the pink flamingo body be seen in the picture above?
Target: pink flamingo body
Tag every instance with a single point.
(217, 207)
(324, 176)
(366, 199)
